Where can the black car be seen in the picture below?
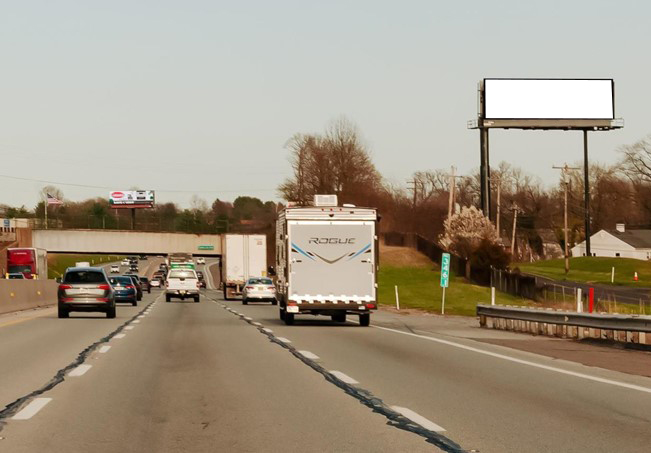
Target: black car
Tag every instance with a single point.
(137, 284)
(146, 286)
(202, 280)
(133, 268)
(124, 289)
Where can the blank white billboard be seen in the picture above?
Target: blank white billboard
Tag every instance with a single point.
(549, 99)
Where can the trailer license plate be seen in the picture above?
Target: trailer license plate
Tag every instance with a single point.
(292, 309)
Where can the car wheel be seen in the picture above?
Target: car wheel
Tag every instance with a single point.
(149, 291)
(339, 317)
(365, 319)
(196, 298)
(139, 297)
(281, 315)
(289, 318)
(110, 313)
(63, 312)
(245, 302)
(167, 298)
(134, 303)
(274, 302)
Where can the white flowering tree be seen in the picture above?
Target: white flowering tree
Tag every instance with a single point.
(466, 232)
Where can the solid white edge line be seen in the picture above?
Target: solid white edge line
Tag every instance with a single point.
(417, 418)
(120, 335)
(523, 362)
(104, 349)
(80, 370)
(283, 339)
(31, 409)
(309, 355)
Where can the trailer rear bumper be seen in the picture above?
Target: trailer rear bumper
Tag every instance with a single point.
(330, 308)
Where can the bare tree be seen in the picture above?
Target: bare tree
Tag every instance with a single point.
(636, 161)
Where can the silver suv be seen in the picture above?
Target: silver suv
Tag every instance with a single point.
(86, 289)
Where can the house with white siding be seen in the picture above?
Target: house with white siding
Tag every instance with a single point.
(618, 242)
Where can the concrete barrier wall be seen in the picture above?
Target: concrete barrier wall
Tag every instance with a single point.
(18, 295)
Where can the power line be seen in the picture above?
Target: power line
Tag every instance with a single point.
(88, 186)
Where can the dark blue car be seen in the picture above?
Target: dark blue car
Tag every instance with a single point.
(125, 290)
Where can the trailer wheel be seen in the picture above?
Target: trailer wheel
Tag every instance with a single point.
(281, 314)
(226, 293)
(289, 318)
(339, 317)
(167, 298)
(365, 319)
(245, 302)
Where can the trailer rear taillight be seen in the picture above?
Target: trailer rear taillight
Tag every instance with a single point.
(370, 306)
(65, 286)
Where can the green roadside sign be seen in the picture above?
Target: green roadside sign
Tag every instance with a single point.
(445, 270)
(206, 247)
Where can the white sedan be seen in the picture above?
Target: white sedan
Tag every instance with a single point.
(115, 269)
(259, 290)
(201, 261)
(125, 262)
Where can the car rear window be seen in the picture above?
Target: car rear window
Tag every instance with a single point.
(144, 279)
(260, 281)
(84, 277)
(182, 274)
(120, 280)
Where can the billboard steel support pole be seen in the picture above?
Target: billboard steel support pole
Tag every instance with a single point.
(484, 173)
(586, 188)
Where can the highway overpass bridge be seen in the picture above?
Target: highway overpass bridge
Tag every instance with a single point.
(117, 242)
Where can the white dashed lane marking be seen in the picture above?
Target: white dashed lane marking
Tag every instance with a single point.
(80, 370)
(344, 377)
(135, 322)
(309, 355)
(31, 409)
(120, 335)
(129, 328)
(268, 330)
(104, 349)
(283, 339)
(417, 418)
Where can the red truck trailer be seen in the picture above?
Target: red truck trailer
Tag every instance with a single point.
(29, 261)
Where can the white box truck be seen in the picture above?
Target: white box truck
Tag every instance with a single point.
(326, 261)
(243, 256)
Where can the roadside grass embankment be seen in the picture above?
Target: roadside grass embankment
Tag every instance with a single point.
(418, 281)
(592, 270)
(58, 263)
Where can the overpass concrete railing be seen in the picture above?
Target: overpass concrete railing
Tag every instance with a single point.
(118, 242)
(566, 324)
(16, 295)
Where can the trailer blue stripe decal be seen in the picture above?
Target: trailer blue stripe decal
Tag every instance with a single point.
(360, 252)
(301, 251)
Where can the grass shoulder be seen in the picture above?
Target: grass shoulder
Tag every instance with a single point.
(58, 263)
(593, 270)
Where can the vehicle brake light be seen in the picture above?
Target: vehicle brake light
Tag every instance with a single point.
(65, 286)
(129, 287)
(271, 288)
(249, 287)
(104, 287)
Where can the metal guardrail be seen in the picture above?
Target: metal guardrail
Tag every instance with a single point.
(629, 323)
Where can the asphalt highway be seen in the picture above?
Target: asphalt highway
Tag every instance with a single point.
(221, 376)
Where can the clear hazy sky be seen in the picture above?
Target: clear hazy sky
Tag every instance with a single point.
(200, 96)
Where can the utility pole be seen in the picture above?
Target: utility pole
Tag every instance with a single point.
(515, 221)
(498, 180)
(453, 186)
(565, 169)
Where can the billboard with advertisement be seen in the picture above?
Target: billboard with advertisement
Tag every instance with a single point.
(529, 99)
(132, 199)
